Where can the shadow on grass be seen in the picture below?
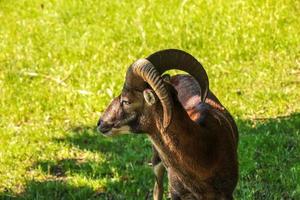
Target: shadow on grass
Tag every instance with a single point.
(123, 168)
(269, 155)
(123, 172)
(52, 189)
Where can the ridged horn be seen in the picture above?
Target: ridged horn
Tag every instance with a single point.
(150, 70)
(143, 69)
(177, 59)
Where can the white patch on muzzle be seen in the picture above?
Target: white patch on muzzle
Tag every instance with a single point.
(118, 131)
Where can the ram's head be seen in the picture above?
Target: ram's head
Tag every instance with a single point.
(146, 97)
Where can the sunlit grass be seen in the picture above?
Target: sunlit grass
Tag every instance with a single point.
(61, 62)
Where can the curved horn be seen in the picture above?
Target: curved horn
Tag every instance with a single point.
(177, 59)
(144, 69)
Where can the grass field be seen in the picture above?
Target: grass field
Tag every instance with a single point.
(61, 62)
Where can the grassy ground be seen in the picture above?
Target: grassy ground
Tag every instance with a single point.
(62, 61)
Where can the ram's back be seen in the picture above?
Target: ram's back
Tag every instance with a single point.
(188, 95)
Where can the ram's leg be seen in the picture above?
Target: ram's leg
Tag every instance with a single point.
(158, 189)
(159, 171)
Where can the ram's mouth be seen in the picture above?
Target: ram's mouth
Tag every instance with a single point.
(116, 131)
(116, 128)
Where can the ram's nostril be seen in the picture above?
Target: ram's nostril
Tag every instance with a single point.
(100, 122)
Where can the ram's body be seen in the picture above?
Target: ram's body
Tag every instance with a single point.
(188, 95)
(193, 134)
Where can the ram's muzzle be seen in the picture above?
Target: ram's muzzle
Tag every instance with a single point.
(114, 121)
(110, 129)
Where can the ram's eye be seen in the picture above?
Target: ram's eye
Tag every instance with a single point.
(125, 102)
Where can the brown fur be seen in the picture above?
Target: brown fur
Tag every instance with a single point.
(201, 159)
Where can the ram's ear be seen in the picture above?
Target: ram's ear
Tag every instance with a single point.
(149, 97)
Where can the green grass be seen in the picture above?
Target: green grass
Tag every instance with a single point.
(61, 62)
